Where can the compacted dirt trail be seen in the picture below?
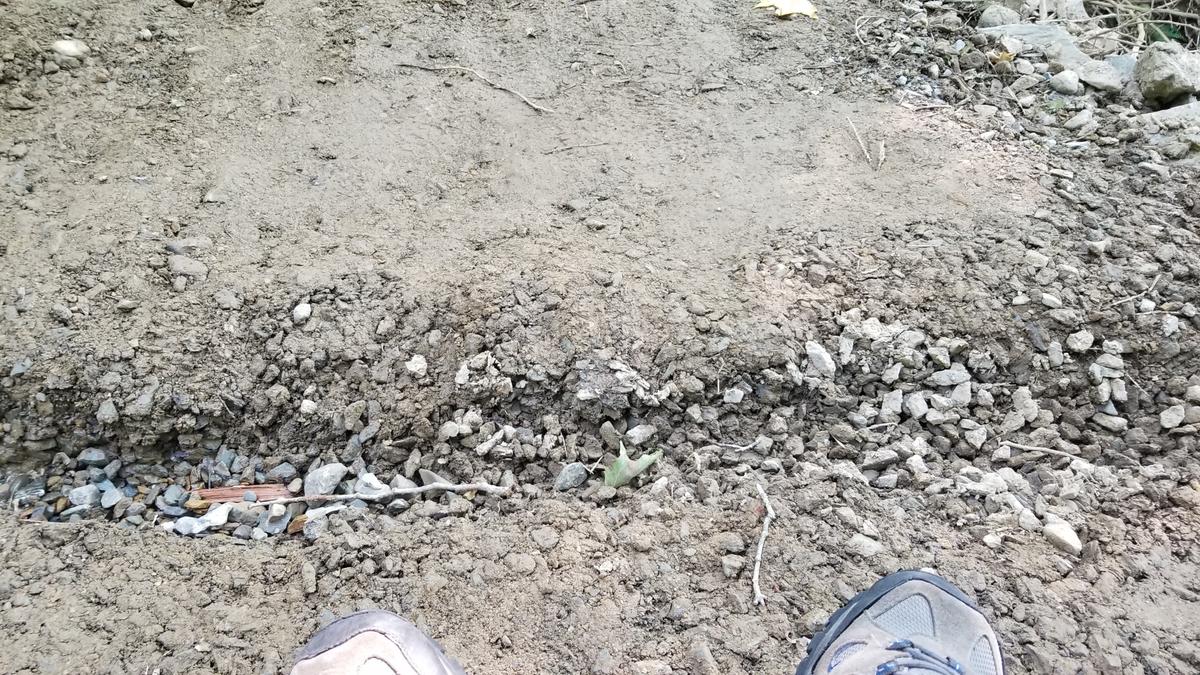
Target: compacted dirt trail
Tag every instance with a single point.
(341, 245)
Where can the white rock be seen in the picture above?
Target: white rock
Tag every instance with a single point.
(216, 516)
(189, 526)
(368, 484)
(640, 434)
(417, 366)
(1067, 82)
(915, 405)
(308, 407)
(1172, 417)
(301, 312)
(1081, 341)
(76, 49)
(819, 359)
(1062, 536)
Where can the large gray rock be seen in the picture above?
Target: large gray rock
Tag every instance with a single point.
(1165, 72)
(572, 476)
(324, 481)
(85, 495)
(998, 15)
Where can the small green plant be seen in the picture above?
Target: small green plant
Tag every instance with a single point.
(623, 470)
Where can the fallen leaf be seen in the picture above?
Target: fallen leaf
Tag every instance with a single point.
(622, 470)
(786, 8)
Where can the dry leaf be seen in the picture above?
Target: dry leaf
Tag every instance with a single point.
(786, 8)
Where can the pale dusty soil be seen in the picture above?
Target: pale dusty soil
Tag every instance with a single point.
(434, 197)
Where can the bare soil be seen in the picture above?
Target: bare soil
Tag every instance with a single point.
(693, 203)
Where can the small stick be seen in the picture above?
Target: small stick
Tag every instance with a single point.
(759, 598)
(739, 448)
(1038, 448)
(1137, 296)
(564, 148)
(882, 155)
(476, 73)
(395, 492)
(861, 145)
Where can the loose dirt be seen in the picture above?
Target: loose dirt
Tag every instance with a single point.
(659, 248)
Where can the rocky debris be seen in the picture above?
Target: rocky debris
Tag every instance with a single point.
(183, 266)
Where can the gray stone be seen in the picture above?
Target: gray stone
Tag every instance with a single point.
(1062, 536)
(952, 376)
(1067, 82)
(1080, 341)
(863, 546)
(85, 495)
(572, 476)
(243, 532)
(183, 266)
(110, 498)
(881, 458)
(1172, 417)
(107, 412)
(324, 481)
(998, 15)
(819, 359)
(174, 494)
(1059, 47)
(283, 472)
(640, 434)
(1165, 72)
(1080, 120)
(1111, 422)
(93, 457)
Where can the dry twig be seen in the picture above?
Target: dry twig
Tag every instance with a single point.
(882, 155)
(1038, 448)
(861, 145)
(564, 148)
(395, 492)
(759, 598)
(490, 83)
(1137, 296)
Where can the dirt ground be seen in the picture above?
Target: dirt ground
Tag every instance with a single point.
(675, 186)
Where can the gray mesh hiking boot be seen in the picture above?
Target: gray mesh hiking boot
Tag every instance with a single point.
(908, 622)
(372, 643)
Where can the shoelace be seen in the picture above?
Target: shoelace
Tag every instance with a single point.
(919, 659)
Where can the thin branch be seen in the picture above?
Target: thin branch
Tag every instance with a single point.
(861, 145)
(1038, 448)
(564, 148)
(1137, 296)
(882, 155)
(759, 598)
(395, 492)
(490, 83)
